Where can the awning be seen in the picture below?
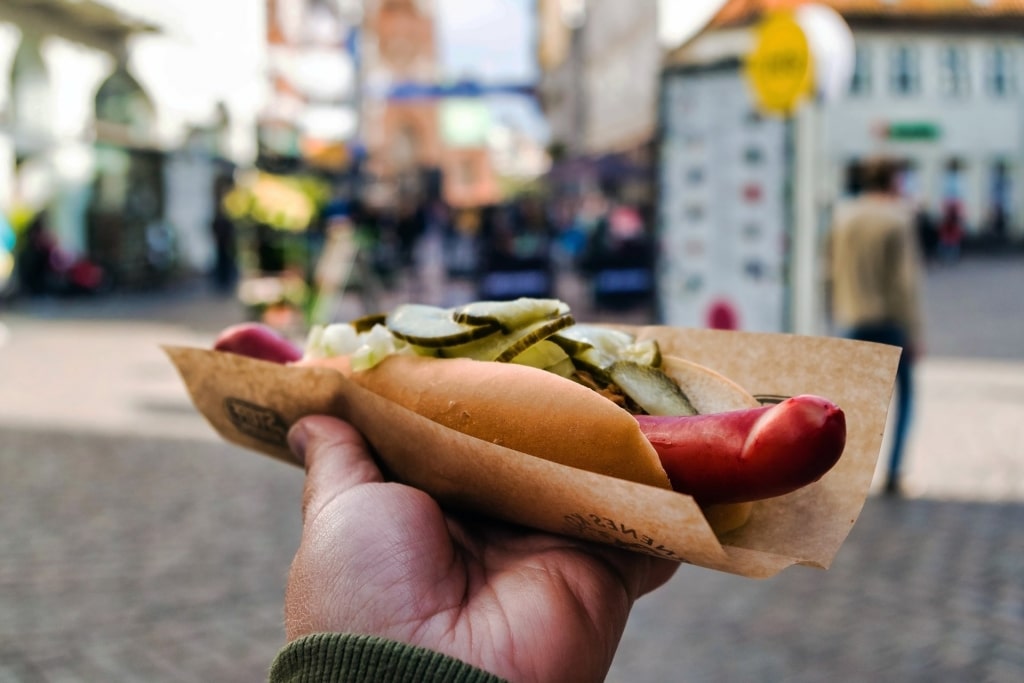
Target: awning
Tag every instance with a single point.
(409, 91)
(83, 21)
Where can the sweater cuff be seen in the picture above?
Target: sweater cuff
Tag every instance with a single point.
(330, 657)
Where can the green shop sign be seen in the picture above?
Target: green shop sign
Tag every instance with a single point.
(912, 130)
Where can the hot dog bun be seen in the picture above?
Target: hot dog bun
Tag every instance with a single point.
(728, 516)
(523, 408)
(708, 391)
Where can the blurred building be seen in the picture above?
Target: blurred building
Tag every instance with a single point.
(79, 138)
(310, 117)
(420, 138)
(599, 62)
(938, 85)
(355, 82)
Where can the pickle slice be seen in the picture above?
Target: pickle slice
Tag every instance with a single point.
(645, 352)
(596, 362)
(651, 389)
(580, 337)
(510, 315)
(563, 368)
(366, 323)
(504, 347)
(544, 354)
(433, 327)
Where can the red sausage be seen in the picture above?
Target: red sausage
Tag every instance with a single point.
(730, 457)
(751, 454)
(257, 341)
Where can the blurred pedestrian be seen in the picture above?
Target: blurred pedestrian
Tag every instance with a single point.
(927, 233)
(619, 257)
(592, 210)
(463, 244)
(516, 251)
(410, 226)
(534, 232)
(1001, 202)
(225, 264)
(270, 250)
(951, 233)
(874, 281)
(36, 256)
(8, 240)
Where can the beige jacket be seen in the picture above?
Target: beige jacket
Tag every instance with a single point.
(874, 265)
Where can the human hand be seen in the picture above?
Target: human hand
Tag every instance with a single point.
(380, 558)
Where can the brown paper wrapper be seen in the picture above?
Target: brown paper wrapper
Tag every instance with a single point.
(253, 403)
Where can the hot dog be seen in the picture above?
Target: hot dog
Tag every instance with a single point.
(724, 456)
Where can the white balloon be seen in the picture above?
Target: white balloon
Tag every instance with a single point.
(832, 48)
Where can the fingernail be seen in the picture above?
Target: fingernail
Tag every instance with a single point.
(297, 439)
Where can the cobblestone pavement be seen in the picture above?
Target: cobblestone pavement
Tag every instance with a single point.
(923, 590)
(126, 558)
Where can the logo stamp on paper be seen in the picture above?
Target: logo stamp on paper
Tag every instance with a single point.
(599, 528)
(257, 421)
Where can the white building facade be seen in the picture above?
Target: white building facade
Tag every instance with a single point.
(745, 197)
(599, 61)
(939, 88)
(947, 102)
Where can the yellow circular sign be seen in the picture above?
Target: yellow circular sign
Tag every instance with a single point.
(780, 69)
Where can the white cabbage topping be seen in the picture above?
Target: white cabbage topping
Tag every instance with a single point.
(365, 349)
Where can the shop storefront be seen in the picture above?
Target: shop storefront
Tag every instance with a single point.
(78, 154)
(125, 230)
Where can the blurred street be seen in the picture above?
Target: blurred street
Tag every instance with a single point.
(168, 169)
(140, 548)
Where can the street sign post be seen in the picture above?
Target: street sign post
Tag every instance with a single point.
(780, 69)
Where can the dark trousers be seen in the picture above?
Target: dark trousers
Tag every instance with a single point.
(889, 333)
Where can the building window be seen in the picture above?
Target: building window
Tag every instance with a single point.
(905, 70)
(467, 173)
(860, 84)
(1000, 71)
(405, 147)
(122, 101)
(30, 97)
(954, 76)
(908, 180)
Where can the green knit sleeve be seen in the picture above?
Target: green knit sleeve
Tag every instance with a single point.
(351, 658)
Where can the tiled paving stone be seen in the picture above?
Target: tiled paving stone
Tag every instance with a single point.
(136, 559)
(923, 590)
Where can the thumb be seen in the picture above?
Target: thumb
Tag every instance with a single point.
(336, 457)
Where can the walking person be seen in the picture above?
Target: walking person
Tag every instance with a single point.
(222, 229)
(874, 280)
(951, 233)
